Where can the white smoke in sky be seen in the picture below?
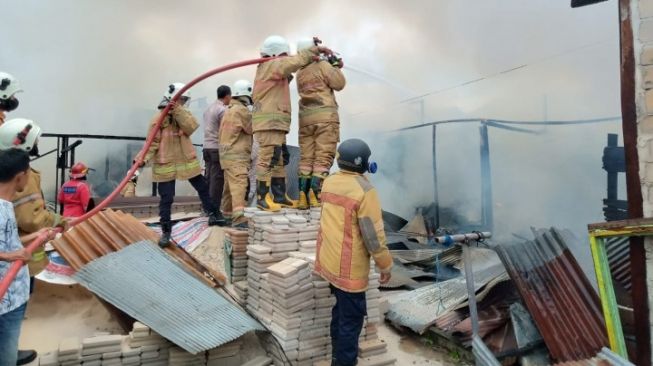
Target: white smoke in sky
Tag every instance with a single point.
(100, 67)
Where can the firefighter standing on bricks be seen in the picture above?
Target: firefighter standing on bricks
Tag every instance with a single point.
(271, 118)
(319, 124)
(236, 151)
(351, 231)
(174, 158)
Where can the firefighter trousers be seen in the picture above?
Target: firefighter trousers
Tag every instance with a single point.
(273, 155)
(317, 145)
(234, 197)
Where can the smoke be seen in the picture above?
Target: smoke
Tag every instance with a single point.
(101, 67)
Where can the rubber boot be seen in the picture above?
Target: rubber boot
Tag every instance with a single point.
(264, 199)
(279, 193)
(26, 356)
(216, 219)
(166, 234)
(316, 190)
(304, 189)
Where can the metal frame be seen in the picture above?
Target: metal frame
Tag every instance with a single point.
(598, 233)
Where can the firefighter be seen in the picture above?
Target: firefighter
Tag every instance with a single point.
(271, 118)
(236, 151)
(130, 187)
(174, 158)
(75, 194)
(319, 124)
(8, 88)
(351, 231)
(29, 205)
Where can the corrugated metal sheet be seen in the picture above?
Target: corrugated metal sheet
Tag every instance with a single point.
(149, 285)
(420, 308)
(110, 231)
(603, 358)
(558, 295)
(483, 355)
(618, 250)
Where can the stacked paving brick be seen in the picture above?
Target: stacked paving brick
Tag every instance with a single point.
(141, 347)
(294, 304)
(237, 239)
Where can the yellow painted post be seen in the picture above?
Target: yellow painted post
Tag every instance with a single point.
(608, 299)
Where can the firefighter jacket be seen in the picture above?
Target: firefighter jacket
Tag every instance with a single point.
(351, 231)
(316, 84)
(235, 134)
(74, 195)
(129, 190)
(32, 215)
(172, 152)
(271, 93)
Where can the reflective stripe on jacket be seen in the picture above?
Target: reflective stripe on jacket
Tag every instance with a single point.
(32, 215)
(74, 195)
(315, 84)
(235, 134)
(351, 231)
(271, 93)
(172, 152)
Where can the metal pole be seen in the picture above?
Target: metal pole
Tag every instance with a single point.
(435, 180)
(56, 178)
(471, 291)
(63, 159)
(633, 184)
(486, 180)
(613, 175)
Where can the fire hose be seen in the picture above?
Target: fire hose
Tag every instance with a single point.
(41, 239)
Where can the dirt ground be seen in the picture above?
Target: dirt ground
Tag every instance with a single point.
(56, 312)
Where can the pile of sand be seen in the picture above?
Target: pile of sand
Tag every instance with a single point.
(55, 312)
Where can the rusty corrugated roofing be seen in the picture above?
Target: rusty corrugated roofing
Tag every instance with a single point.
(110, 231)
(618, 251)
(151, 286)
(558, 295)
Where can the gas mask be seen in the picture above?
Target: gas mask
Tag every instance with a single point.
(9, 105)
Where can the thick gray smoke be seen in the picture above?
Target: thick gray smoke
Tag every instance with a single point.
(101, 66)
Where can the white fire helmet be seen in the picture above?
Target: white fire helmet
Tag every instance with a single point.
(242, 88)
(8, 86)
(19, 133)
(305, 43)
(173, 89)
(275, 46)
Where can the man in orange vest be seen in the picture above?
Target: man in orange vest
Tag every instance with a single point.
(75, 194)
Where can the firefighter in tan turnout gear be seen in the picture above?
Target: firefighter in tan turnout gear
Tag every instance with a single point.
(319, 124)
(174, 158)
(29, 205)
(235, 144)
(271, 117)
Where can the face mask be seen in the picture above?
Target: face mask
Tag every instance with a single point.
(9, 104)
